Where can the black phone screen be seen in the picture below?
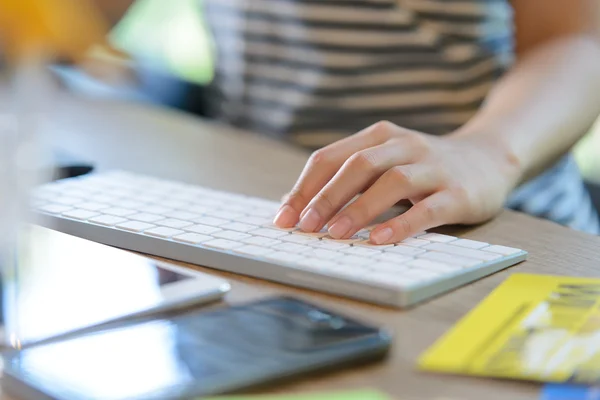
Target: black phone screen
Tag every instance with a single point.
(198, 353)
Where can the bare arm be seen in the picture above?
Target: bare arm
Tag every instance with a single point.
(531, 118)
(552, 96)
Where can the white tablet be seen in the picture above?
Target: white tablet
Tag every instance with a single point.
(62, 284)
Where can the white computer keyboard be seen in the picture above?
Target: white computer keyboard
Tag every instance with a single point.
(234, 232)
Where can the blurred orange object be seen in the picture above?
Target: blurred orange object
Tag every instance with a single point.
(63, 28)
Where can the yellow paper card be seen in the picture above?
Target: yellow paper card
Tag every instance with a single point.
(532, 327)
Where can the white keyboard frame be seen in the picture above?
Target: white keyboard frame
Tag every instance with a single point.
(278, 272)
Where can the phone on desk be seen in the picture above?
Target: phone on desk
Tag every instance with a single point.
(194, 354)
(62, 284)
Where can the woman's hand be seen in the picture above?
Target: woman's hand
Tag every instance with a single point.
(452, 179)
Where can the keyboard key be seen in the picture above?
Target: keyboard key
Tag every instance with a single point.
(174, 223)
(322, 254)
(405, 250)
(261, 241)
(394, 258)
(119, 212)
(462, 251)
(135, 226)
(67, 201)
(198, 209)
(436, 237)
(292, 248)
(300, 239)
(259, 212)
(80, 214)
(131, 204)
(355, 260)
(228, 197)
(154, 209)
(471, 244)
(240, 227)
(272, 226)
(253, 250)
(202, 229)
(369, 245)
(505, 251)
(192, 238)
(262, 203)
(223, 244)
(270, 233)
(258, 221)
(123, 193)
(235, 208)
(352, 240)
(80, 193)
(183, 215)
(55, 208)
(211, 221)
(175, 204)
(433, 266)
(208, 202)
(92, 206)
(225, 214)
(163, 232)
(388, 267)
(329, 245)
(415, 242)
(446, 258)
(361, 251)
(146, 217)
(105, 198)
(107, 220)
(231, 235)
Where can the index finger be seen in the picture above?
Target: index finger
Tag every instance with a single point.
(322, 166)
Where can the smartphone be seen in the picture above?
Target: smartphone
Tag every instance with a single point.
(62, 284)
(195, 354)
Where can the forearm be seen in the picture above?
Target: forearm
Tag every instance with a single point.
(539, 110)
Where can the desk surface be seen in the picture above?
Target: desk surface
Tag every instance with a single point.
(171, 145)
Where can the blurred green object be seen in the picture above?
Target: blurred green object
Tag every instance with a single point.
(354, 395)
(171, 35)
(587, 154)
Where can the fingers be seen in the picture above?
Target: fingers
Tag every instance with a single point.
(397, 183)
(357, 173)
(438, 209)
(322, 166)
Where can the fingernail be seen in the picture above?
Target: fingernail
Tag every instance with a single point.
(382, 236)
(310, 221)
(286, 217)
(340, 228)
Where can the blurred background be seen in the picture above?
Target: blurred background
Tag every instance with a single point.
(171, 35)
(171, 49)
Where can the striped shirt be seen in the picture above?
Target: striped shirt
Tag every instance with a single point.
(314, 71)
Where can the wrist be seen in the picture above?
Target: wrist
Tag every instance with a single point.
(496, 149)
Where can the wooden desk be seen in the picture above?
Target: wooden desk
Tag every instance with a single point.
(171, 145)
